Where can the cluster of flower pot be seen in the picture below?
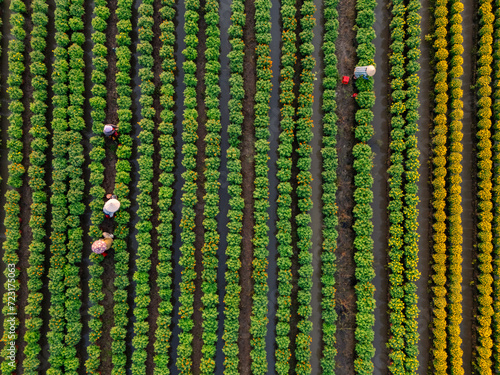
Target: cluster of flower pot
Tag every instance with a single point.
(234, 180)
(403, 178)
(329, 182)
(446, 180)
(12, 223)
(259, 319)
(363, 194)
(189, 199)
(284, 224)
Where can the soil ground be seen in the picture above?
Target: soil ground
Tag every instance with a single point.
(247, 171)
(345, 299)
(109, 162)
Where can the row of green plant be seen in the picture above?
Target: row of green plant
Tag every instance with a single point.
(234, 180)
(259, 319)
(12, 210)
(144, 198)
(363, 194)
(412, 176)
(210, 298)
(76, 125)
(484, 356)
(403, 178)
(283, 353)
(100, 14)
(304, 190)
(59, 189)
(329, 182)
(121, 189)
(189, 199)
(36, 173)
(164, 231)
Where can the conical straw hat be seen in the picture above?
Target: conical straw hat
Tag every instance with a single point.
(99, 247)
(112, 205)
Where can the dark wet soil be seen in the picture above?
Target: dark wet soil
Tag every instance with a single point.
(107, 225)
(316, 214)
(345, 296)
(248, 173)
(380, 147)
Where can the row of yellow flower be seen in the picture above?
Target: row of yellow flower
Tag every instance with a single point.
(483, 360)
(447, 192)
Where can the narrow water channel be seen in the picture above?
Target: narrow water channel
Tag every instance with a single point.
(380, 145)
(222, 219)
(424, 193)
(316, 215)
(177, 186)
(468, 190)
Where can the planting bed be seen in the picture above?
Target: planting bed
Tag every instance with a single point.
(273, 220)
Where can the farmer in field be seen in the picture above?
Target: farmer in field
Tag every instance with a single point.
(111, 206)
(110, 131)
(100, 246)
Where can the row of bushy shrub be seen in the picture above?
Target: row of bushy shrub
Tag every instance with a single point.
(10, 245)
(363, 194)
(189, 198)
(259, 319)
(329, 179)
(234, 180)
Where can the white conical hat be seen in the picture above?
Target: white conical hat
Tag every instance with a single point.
(108, 128)
(112, 205)
(99, 247)
(370, 70)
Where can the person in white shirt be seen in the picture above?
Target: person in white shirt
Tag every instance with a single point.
(111, 206)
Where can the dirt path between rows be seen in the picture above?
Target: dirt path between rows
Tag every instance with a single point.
(346, 280)
(380, 147)
(248, 173)
(109, 162)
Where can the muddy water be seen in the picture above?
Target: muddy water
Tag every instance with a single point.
(316, 215)
(380, 145)
(87, 133)
(468, 190)
(177, 186)
(274, 130)
(225, 48)
(424, 193)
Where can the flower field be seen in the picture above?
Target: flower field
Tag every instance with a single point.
(190, 282)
